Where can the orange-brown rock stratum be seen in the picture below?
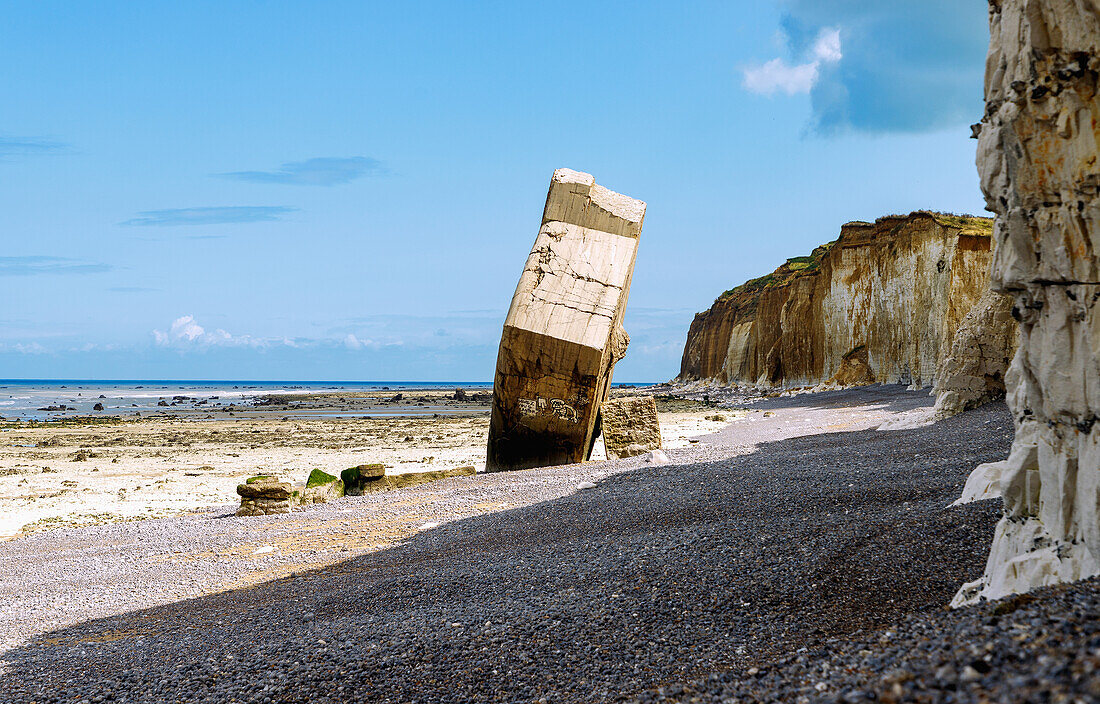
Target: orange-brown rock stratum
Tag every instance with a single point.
(879, 304)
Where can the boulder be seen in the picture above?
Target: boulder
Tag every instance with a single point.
(355, 479)
(1037, 157)
(320, 488)
(563, 333)
(855, 368)
(264, 495)
(974, 371)
(630, 426)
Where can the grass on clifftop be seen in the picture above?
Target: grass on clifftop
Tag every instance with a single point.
(791, 269)
(968, 224)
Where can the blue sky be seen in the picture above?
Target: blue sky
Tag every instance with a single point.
(331, 190)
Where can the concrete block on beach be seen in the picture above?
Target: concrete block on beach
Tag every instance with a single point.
(630, 426)
(563, 333)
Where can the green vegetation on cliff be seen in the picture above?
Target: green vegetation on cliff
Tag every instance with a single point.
(796, 267)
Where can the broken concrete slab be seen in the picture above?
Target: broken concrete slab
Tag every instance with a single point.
(563, 333)
(630, 426)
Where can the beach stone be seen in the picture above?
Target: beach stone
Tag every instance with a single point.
(1037, 156)
(264, 495)
(401, 481)
(657, 457)
(320, 488)
(630, 426)
(563, 333)
(355, 479)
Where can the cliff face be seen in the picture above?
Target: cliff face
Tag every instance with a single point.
(1038, 160)
(881, 303)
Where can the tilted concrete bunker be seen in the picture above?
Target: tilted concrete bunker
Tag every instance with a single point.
(563, 333)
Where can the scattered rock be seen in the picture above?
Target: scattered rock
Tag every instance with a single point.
(355, 479)
(264, 495)
(855, 368)
(321, 488)
(400, 481)
(97, 407)
(630, 426)
(657, 457)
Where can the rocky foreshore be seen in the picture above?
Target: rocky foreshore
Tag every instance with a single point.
(798, 537)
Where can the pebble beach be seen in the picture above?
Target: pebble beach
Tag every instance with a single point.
(797, 554)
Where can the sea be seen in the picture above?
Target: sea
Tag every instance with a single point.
(42, 399)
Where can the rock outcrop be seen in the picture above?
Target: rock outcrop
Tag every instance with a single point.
(1037, 156)
(974, 371)
(563, 333)
(363, 480)
(630, 426)
(879, 304)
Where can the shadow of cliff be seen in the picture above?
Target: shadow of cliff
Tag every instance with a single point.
(657, 574)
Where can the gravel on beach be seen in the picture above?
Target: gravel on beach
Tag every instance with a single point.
(796, 566)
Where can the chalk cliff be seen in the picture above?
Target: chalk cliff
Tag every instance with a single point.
(880, 304)
(1037, 156)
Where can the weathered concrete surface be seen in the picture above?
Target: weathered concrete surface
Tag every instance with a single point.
(1037, 156)
(974, 371)
(630, 426)
(881, 303)
(563, 334)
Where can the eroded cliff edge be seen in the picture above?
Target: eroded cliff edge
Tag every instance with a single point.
(881, 303)
(1037, 157)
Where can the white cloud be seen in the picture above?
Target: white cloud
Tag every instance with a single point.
(827, 46)
(25, 348)
(186, 332)
(777, 76)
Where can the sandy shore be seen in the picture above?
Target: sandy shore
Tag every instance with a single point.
(88, 471)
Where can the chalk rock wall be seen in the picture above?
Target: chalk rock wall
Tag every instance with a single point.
(1037, 156)
(880, 304)
(974, 370)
